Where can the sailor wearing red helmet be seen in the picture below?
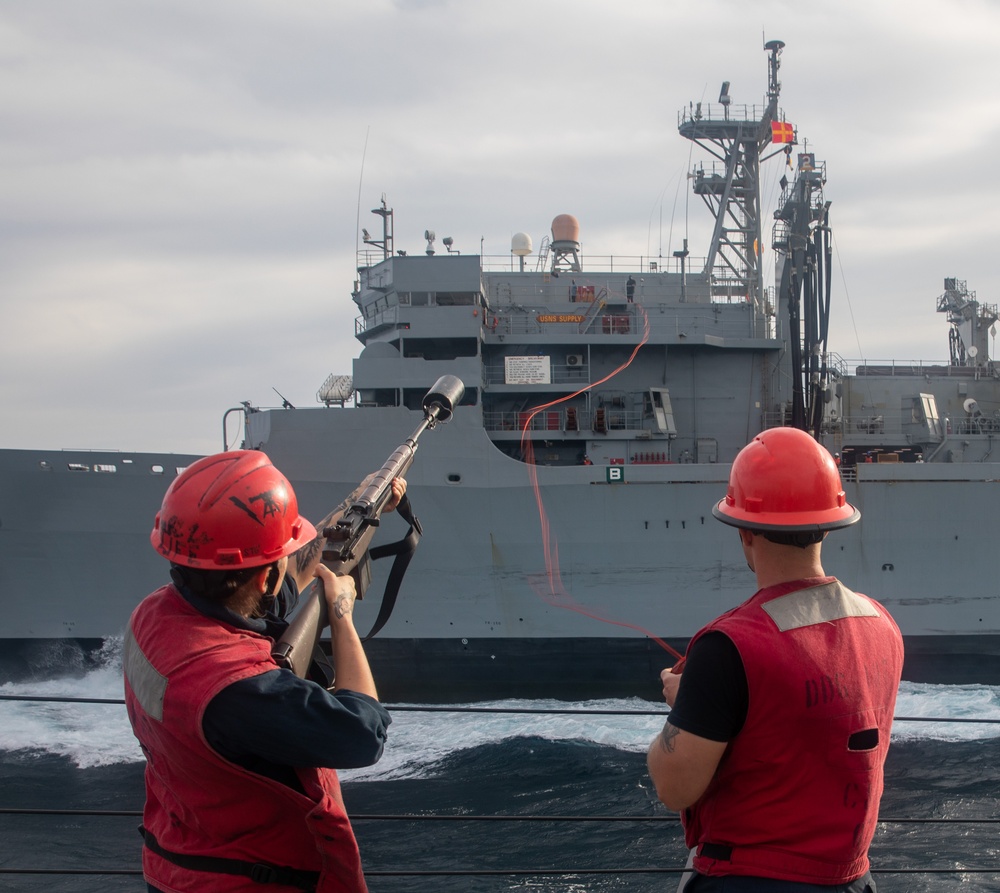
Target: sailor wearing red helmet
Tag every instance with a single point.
(241, 788)
(780, 721)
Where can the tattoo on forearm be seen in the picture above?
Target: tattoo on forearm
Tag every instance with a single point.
(343, 606)
(308, 552)
(667, 737)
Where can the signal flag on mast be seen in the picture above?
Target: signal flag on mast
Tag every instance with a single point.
(782, 132)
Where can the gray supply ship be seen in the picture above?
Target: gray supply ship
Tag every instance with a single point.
(566, 507)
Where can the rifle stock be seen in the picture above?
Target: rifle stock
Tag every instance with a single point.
(348, 541)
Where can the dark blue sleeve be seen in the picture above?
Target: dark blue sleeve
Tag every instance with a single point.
(278, 720)
(713, 698)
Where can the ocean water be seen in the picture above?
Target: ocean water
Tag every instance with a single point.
(531, 799)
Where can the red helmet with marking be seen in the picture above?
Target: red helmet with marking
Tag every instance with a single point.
(783, 480)
(230, 511)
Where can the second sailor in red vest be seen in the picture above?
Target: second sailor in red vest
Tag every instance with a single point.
(780, 721)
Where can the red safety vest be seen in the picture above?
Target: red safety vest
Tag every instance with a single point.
(200, 804)
(797, 792)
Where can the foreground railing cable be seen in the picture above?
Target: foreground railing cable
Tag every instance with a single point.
(447, 817)
(545, 711)
(439, 817)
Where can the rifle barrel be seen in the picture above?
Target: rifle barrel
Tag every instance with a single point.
(294, 649)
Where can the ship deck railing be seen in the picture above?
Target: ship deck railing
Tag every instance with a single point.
(690, 323)
(578, 424)
(619, 264)
(665, 821)
(919, 368)
(720, 113)
(593, 287)
(636, 264)
(894, 427)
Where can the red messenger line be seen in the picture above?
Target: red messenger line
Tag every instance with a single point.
(555, 593)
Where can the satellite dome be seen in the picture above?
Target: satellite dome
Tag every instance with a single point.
(520, 244)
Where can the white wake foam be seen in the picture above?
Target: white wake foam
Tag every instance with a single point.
(99, 734)
(87, 734)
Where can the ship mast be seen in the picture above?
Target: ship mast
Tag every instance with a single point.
(738, 136)
(385, 243)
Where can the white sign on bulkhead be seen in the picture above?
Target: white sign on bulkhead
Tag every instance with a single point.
(527, 370)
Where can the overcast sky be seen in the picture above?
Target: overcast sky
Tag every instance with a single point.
(182, 181)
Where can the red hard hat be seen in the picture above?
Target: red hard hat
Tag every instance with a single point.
(784, 480)
(228, 511)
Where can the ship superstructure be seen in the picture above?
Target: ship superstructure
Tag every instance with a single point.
(562, 335)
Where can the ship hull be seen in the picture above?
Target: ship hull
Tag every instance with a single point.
(575, 669)
(632, 566)
(635, 561)
(74, 539)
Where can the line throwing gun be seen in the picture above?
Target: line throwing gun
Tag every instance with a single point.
(347, 541)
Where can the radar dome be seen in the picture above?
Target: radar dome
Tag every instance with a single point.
(565, 228)
(520, 244)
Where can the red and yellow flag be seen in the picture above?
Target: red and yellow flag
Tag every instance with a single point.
(782, 132)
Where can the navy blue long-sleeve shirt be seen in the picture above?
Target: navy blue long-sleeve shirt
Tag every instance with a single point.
(276, 721)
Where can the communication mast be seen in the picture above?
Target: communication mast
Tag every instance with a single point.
(738, 136)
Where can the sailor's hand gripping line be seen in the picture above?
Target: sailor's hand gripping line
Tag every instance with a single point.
(550, 588)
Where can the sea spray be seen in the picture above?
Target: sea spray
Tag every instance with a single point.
(91, 735)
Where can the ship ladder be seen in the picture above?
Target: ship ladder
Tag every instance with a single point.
(591, 315)
(543, 255)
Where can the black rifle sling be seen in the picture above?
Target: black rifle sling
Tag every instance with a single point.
(403, 550)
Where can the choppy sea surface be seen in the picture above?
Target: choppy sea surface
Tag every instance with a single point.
(532, 795)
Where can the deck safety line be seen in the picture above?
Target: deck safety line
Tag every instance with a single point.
(498, 872)
(555, 711)
(444, 817)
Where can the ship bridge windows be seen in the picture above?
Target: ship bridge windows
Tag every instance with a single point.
(440, 348)
(379, 313)
(457, 298)
(439, 298)
(378, 397)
